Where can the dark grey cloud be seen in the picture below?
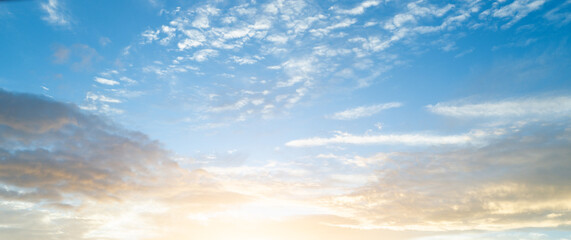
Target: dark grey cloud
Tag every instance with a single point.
(60, 166)
(50, 148)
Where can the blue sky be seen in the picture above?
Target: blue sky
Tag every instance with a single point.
(403, 119)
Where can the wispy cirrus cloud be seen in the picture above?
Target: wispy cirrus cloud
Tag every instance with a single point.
(56, 14)
(474, 137)
(106, 81)
(364, 111)
(558, 15)
(517, 10)
(359, 9)
(538, 107)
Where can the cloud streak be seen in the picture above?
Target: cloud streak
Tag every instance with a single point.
(406, 139)
(106, 81)
(545, 108)
(360, 9)
(364, 111)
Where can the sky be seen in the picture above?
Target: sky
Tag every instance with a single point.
(285, 119)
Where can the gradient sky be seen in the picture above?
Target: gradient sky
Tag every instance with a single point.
(285, 119)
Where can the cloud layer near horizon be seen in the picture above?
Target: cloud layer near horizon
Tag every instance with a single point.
(65, 174)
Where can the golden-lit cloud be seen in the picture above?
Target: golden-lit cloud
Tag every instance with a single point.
(519, 181)
(66, 174)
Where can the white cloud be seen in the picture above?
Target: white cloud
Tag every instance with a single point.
(237, 33)
(231, 107)
(127, 80)
(278, 38)
(56, 14)
(364, 111)
(325, 31)
(357, 160)
(559, 15)
(244, 60)
(195, 39)
(127, 93)
(275, 67)
(150, 35)
(324, 50)
(517, 10)
(360, 9)
(298, 70)
(201, 19)
(546, 107)
(473, 137)
(170, 32)
(106, 81)
(204, 55)
(373, 43)
(95, 97)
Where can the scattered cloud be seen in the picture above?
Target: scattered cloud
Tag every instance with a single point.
(56, 14)
(559, 15)
(61, 54)
(364, 111)
(204, 54)
(325, 31)
(517, 10)
(231, 107)
(81, 57)
(149, 36)
(360, 9)
(104, 41)
(106, 81)
(245, 60)
(102, 98)
(127, 80)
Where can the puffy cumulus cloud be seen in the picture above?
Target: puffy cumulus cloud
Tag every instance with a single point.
(65, 174)
(518, 181)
